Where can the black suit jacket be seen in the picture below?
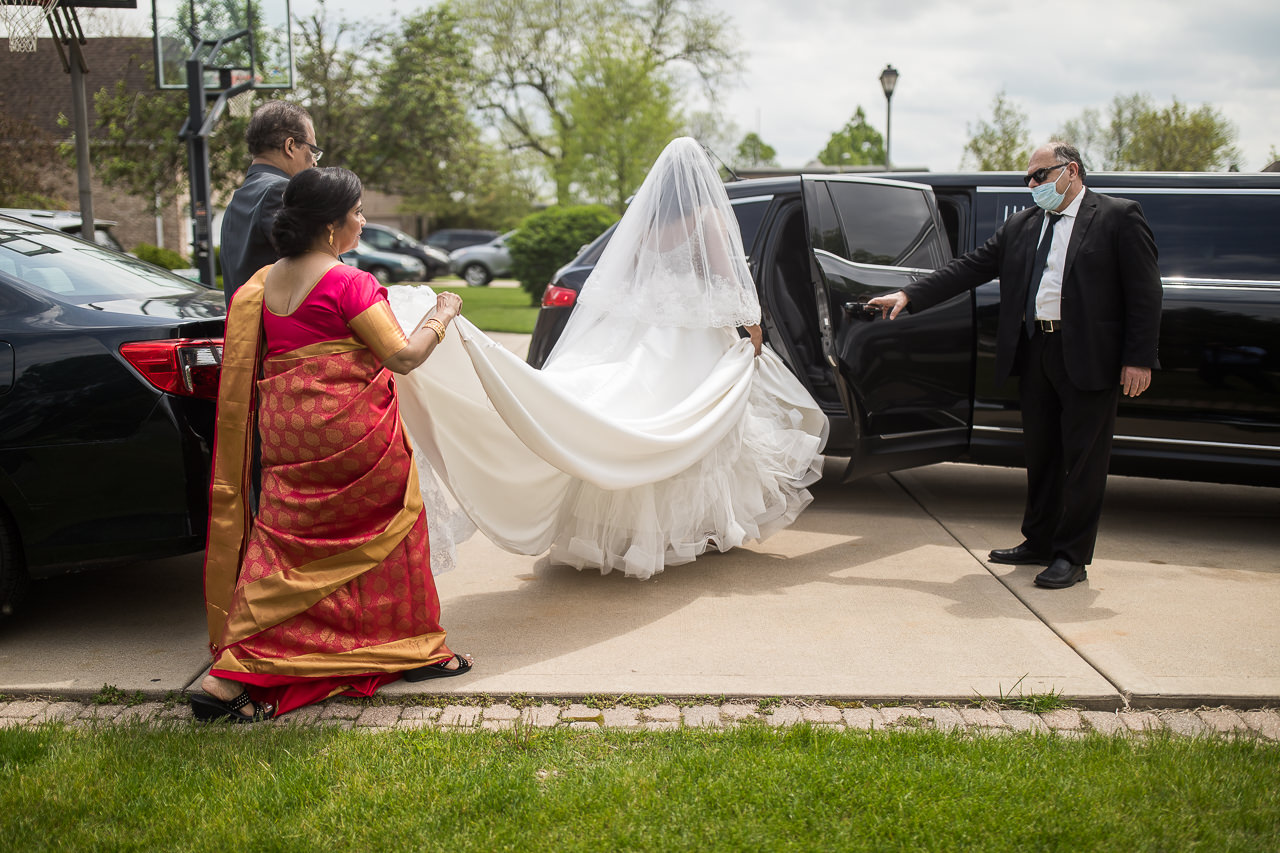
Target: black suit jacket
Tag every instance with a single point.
(246, 226)
(1111, 291)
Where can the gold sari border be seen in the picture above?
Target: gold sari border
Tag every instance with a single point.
(337, 347)
(232, 455)
(395, 656)
(378, 328)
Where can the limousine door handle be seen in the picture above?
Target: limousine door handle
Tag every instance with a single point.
(861, 310)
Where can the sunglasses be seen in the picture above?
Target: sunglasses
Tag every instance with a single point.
(1039, 175)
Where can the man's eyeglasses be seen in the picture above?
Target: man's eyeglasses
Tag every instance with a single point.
(1039, 175)
(317, 152)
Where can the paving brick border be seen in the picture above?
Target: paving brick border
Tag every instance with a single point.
(1222, 723)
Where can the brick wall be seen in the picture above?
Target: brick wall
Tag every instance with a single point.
(37, 90)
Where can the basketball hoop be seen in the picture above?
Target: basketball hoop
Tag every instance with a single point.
(241, 106)
(23, 19)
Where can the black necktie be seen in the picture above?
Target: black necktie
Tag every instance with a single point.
(1037, 272)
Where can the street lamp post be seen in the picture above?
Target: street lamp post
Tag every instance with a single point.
(888, 79)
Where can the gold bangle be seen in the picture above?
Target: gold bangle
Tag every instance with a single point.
(436, 326)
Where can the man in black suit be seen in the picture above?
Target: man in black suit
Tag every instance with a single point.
(282, 142)
(1080, 299)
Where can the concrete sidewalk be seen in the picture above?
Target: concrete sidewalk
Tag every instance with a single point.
(879, 594)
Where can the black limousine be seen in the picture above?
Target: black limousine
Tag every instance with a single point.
(922, 389)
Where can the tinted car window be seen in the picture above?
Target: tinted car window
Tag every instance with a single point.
(78, 272)
(886, 225)
(750, 214)
(1231, 236)
(1208, 235)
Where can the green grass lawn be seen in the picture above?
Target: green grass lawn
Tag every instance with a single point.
(493, 309)
(188, 787)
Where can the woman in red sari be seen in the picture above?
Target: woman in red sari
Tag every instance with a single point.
(328, 589)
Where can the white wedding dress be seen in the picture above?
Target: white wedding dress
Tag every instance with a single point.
(652, 433)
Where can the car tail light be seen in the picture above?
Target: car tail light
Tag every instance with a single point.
(187, 367)
(558, 297)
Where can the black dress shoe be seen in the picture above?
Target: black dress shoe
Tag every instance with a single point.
(1020, 555)
(1061, 574)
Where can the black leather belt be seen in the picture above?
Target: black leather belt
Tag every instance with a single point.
(1049, 325)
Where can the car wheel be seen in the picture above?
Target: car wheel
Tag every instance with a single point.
(476, 275)
(382, 274)
(13, 575)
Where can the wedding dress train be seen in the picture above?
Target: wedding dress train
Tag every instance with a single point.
(689, 443)
(653, 431)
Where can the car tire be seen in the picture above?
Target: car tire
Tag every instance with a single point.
(13, 574)
(382, 274)
(476, 275)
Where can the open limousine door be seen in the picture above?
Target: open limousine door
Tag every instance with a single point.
(906, 385)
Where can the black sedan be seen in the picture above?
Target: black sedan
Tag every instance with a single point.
(921, 389)
(108, 382)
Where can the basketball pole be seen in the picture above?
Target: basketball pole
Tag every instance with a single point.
(64, 23)
(196, 131)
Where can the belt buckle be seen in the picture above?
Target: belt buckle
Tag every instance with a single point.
(1049, 326)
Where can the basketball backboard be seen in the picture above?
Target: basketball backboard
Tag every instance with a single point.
(181, 25)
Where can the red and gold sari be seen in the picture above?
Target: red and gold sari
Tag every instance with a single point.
(328, 589)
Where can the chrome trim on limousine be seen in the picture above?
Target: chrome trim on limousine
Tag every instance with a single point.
(1270, 448)
(835, 257)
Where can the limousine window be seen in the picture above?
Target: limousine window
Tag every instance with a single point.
(886, 225)
(750, 214)
(1201, 235)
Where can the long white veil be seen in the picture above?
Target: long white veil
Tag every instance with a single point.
(675, 260)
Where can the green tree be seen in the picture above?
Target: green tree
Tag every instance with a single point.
(636, 103)
(855, 144)
(754, 151)
(501, 190)
(529, 58)
(420, 142)
(548, 240)
(137, 146)
(1137, 135)
(1002, 143)
(336, 80)
(1179, 139)
(1273, 156)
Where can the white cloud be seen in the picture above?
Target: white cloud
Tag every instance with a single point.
(810, 63)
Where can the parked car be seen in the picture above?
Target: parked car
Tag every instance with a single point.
(448, 240)
(386, 267)
(922, 388)
(68, 222)
(386, 239)
(480, 264)
(108, 382)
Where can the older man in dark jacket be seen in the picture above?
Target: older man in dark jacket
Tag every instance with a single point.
(282, 142)
(1080, 301)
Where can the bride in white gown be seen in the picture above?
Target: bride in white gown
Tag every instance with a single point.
(653, 432)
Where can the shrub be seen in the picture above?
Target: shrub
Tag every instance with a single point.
(166, 258)
(548, 240)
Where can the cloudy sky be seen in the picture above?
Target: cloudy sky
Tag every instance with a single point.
(810, 63)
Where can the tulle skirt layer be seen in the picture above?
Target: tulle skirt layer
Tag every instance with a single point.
(750, 486)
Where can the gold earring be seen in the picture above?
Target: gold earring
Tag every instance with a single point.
(330, 238)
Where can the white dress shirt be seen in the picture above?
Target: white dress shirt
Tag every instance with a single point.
(1049, 296)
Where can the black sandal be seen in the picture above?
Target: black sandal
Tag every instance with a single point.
(208, 708)
(437, 670)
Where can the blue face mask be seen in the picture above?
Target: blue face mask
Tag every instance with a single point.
(1047, 195)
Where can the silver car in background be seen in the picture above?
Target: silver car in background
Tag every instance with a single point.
(480, 264)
